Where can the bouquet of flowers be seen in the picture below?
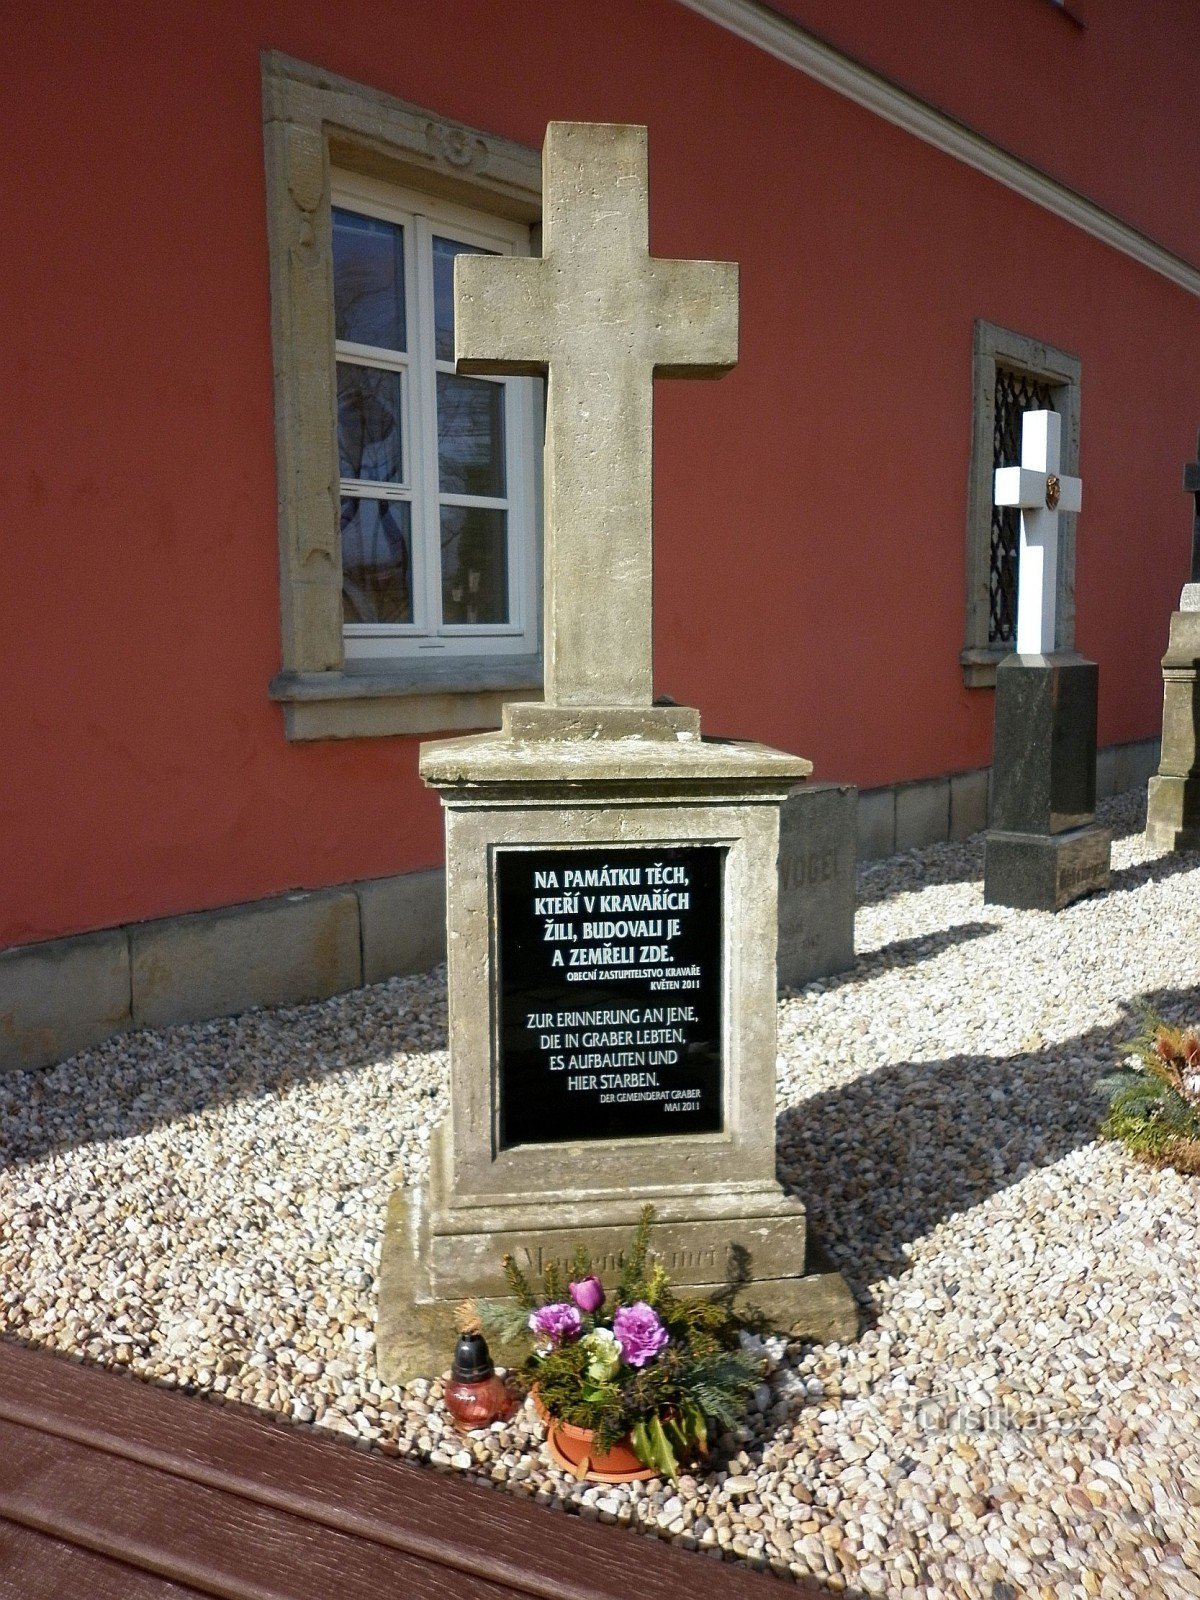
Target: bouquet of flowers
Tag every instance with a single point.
(1154, 1103)
(660, 1368)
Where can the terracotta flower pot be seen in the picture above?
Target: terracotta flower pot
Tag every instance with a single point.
(574, 1449)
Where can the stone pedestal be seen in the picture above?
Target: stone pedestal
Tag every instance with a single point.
(1043, 849)
(1173, 801)
(639, 1068)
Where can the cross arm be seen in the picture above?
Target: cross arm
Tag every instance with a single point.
(694, 310)
(1023, 487)
(499, 314)
(1019, 486)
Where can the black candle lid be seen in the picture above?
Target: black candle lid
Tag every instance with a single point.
(472, 1362)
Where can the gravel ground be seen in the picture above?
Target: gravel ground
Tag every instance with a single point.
(203, 1206)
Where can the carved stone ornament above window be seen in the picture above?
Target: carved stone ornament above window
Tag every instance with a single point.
(313, 120)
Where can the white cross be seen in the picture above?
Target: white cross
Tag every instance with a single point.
(601, 316)
(1041, 492)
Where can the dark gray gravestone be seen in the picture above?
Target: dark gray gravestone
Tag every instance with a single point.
(818, 837)
(1043, 849)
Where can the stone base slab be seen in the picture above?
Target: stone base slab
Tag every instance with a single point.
(1173, 812)
(701, 1230)
(1044, 872)
(415, 1329)
(524, 720)
(695, 1250)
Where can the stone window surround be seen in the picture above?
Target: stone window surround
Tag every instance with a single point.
(313, 120)
(993, 347)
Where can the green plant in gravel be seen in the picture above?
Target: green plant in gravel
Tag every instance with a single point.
(1154, 1104)
(664, 1368)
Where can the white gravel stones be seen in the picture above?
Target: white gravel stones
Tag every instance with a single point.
(204, 1206)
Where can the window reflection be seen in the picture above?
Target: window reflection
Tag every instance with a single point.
(470, 416)
(376, 560)
(368, 281)
(474, 565)
(369, 438)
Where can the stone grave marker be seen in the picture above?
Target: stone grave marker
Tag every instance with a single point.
(611, 876)
(1173, 800)
(1043, 848)
(818, 849)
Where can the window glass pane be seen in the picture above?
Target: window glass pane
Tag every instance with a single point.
(444, 252)
(369, 442)
(470, 413)
(376, 560)
(474, 564)
(368, 280)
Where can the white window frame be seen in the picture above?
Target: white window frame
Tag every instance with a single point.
(423, 217)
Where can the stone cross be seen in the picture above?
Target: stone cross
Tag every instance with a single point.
(1191, 483)
(1041, 492)
(601, 317)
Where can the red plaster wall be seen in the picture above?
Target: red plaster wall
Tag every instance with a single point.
(1104, 107)
(810, 506)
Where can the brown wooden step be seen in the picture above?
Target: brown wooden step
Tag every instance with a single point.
(224, 1500)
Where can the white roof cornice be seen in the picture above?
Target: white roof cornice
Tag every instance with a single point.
(780, 36)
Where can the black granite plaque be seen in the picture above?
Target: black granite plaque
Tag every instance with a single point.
(609, 974)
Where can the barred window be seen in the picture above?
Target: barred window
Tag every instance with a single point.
(1016, 393)
(1013, 374)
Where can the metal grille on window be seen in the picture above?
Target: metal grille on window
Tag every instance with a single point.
(1016, 393)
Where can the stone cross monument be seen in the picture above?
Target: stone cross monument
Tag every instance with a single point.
(601, 317)
(1173, 800)
(611, 876)
(1043, 849)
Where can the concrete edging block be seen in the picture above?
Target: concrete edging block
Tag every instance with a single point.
(403, 923)
(876, 823)
(969, 802)
(1134, 764)
(922, 813)
(61, 997)
(1106, 772)
(285, 951)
